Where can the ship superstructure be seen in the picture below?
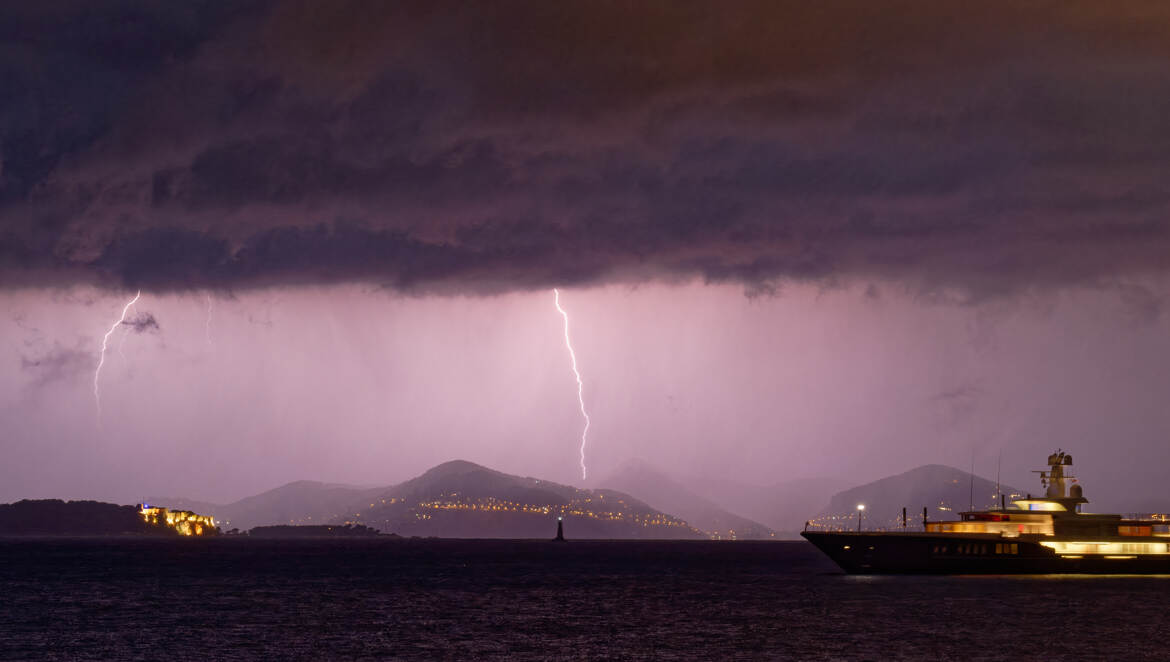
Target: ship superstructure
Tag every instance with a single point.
(1042, 534)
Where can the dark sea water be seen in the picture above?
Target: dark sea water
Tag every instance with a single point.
(446, 599)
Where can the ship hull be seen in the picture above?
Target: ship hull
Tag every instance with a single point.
(924, 553)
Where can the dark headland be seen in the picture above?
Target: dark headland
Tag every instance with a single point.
(54, 517)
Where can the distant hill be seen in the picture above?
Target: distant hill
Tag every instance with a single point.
(673, 497)
(301, 502)
(53, 517)
(784, 506)
(461, 499)
(944, 490)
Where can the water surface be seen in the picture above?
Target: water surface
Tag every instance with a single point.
(449, 599)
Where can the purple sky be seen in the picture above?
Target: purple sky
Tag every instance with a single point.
(795, 240)
(351, 385)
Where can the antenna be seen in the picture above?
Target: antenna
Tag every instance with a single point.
(971, 491)
(998, 464)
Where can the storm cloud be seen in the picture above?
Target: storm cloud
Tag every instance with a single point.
(433, 147)
(142, 323)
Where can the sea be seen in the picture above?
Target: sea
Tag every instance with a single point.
(429, 599)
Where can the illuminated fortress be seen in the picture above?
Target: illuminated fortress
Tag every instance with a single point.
(185, 522)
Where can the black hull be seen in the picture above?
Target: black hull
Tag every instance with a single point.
(925, 553)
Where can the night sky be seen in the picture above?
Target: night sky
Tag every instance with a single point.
(794, 240)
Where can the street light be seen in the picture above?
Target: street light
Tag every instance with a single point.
(860, 509)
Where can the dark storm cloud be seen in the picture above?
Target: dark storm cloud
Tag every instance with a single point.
(68, 69)
(494, 146)
(142, 322)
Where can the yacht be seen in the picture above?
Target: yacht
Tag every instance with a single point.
(1032, 535)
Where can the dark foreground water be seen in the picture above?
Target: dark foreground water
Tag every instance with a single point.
(445, 599)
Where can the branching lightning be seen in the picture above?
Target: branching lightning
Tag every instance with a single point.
(577, 374)
(97, 396)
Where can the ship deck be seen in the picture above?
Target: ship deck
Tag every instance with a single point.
(910, 552)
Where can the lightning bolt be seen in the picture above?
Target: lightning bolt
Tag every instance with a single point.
(207, 326)
(577, 374)
(97, 396)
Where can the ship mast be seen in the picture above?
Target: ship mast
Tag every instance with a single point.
(1059, 483)
(971, 485)
(998, 465)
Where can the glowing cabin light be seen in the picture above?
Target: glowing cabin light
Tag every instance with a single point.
(1107, 548)
(1038, 505)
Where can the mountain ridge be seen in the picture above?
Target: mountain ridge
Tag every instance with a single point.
(670, 495)
(461, 499)
(943, 490)
(456, 498)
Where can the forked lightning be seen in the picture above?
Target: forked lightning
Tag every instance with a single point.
(97, 396)
(577, 374)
